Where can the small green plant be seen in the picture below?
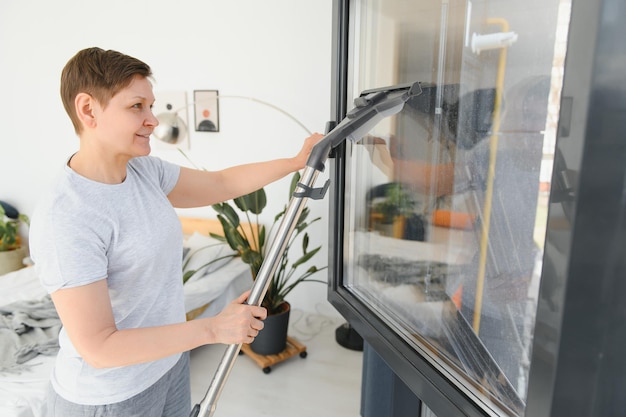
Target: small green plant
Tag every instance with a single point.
(9, 239)
(397, 202)
(250, 243)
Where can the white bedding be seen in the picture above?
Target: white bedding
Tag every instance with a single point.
(21, 395)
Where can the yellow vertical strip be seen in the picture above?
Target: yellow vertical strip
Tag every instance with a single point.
(493, 148)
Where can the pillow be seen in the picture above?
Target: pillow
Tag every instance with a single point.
(200, 250)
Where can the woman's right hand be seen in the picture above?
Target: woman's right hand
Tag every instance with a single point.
(237, 322)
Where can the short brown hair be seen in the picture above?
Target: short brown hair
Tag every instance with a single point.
(99, 73)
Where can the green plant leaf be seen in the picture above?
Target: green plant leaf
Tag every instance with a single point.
(188, 275)
(254, 259)
(232, 235)
(228, 212)
(24, 218)
(295, 179)
(218, 237)
(303, 215)
(254, 202)
(280, 214)
(261, 237)
(218, 208)
(305, 258)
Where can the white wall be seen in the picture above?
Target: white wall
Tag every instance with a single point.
(278, 51)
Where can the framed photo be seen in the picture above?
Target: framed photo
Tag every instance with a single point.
(207, 115)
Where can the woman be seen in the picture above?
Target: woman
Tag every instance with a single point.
(106, 243)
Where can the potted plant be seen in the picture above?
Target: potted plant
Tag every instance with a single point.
(393, 210)
(251, 243)
(12, 252)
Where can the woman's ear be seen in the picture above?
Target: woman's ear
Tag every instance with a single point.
(85, 109)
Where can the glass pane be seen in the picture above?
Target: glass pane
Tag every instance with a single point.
(446, 202)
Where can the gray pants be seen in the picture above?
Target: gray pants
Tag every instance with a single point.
(170, 396)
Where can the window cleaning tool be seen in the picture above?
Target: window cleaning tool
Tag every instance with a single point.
(370, 108)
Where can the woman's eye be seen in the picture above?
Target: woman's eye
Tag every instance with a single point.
(137, 106)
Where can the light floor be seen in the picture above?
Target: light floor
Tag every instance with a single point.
(326, 382)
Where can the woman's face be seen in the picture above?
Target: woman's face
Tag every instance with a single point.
(124, 126)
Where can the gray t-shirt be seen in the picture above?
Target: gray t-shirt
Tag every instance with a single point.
(129, 234)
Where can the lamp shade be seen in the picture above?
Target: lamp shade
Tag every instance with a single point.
(171, 128)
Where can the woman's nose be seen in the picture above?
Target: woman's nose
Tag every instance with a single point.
(152, 120)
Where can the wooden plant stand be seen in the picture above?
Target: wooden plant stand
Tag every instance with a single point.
(266, 361)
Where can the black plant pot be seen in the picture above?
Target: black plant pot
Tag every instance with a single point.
(273, 338)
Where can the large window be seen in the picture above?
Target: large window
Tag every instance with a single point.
(446, 202)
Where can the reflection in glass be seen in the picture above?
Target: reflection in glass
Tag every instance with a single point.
(446, 202)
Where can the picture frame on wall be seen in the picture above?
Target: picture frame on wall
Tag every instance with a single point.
(206, 110)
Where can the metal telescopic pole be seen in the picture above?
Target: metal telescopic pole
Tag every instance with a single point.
(207, 406)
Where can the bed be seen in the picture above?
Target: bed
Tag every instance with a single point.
(206, 293)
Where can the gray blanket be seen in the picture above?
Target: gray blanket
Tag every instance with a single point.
(27, 329)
